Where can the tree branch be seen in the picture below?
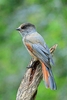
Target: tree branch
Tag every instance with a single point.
(29, 84)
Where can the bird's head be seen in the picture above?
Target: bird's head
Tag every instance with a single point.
(26, 28)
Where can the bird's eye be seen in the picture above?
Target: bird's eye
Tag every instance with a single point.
(23, 27)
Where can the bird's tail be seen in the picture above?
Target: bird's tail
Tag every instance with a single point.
(48, 77)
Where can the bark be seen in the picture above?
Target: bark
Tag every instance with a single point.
(31, 80)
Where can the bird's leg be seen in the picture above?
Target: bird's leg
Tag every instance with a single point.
(32, 63)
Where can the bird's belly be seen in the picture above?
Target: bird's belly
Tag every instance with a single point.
(33, 56)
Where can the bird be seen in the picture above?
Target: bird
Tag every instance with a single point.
(38, 50)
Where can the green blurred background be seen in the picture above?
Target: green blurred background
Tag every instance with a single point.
(50, 19)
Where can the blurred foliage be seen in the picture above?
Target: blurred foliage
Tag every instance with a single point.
(50, 19)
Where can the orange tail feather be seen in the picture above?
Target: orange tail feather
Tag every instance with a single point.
(48, 77)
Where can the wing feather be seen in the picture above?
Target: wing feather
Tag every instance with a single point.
(41, 53)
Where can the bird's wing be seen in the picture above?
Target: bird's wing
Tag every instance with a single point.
(40, 52)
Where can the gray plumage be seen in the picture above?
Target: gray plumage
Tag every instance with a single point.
(38, 50)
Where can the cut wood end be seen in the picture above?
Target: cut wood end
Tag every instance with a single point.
(53, 48)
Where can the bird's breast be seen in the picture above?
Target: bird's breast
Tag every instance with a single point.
(29, 48)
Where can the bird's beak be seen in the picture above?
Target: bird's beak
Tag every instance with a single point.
(18, 29)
